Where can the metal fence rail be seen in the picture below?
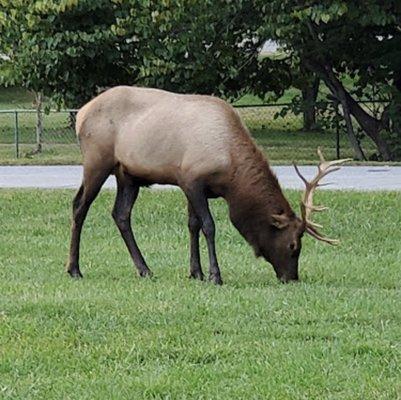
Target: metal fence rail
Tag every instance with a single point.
(282, 137)
(21, 134)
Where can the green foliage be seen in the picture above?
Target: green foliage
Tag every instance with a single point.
(70, 49)
(64, 49)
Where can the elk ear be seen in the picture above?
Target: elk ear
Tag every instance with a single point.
(280, 221)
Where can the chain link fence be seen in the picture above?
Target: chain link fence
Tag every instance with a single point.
(29, 137)
(281, 133)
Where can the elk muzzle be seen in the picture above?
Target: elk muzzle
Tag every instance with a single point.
(288, 271)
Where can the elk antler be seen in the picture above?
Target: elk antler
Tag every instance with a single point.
(307, 207)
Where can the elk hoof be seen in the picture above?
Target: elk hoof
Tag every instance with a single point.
(216, 279)
(75, 273)
(196, 275)
(146, 273)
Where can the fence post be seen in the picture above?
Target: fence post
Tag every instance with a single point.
(16, 134)
(39, 123)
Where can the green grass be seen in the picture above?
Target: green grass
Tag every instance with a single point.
(250, 99)
(335, 335)
(59, 139)
(52, 154)
(12, 98)
(283, 147)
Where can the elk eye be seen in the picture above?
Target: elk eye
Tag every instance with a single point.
(292, 246)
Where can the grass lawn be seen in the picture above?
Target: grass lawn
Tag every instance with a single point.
(250, 99)
(335, 335)
(52, 154)
(12, 98)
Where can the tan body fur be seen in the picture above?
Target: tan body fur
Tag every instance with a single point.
(158, 136)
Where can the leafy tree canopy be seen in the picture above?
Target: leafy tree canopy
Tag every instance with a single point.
(67, 49)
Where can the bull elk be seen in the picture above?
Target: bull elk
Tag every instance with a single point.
(199, 143)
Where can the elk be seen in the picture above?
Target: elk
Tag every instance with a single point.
(199, 143)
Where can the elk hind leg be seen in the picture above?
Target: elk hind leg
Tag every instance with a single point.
(194, 226)
(195, 193)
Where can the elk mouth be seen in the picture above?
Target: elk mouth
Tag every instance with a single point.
(283, 276)
(288, 278)
(288, 274)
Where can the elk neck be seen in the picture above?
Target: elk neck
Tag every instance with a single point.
(254, 193)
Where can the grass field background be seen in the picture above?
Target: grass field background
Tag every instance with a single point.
(334, 335)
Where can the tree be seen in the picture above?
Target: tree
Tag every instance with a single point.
(204, 47)
(63, 49)
(310, 90)
(336, 39)
(308, 83)
(69, 49)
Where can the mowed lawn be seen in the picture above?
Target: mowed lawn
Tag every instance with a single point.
(334, 335)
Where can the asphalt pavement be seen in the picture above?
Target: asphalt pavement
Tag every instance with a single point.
(69, 177)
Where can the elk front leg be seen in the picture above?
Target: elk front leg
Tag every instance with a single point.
(194, 225)
(127, 193)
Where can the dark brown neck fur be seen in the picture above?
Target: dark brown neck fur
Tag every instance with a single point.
(254, 193)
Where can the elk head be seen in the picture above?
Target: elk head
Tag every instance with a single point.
(287, 231)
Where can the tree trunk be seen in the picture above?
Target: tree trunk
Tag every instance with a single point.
(39, 123)
(358, 152)
(309, 96)
(369, 124)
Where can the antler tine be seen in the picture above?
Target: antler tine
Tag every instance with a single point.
(307, 207)
(327, 165)
(314, 233)
(314, 224)
(299, 174)
(323, 172)
(317, 208)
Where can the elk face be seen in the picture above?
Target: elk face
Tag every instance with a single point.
(284, 246)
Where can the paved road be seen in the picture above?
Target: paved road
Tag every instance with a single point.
(349, 177)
